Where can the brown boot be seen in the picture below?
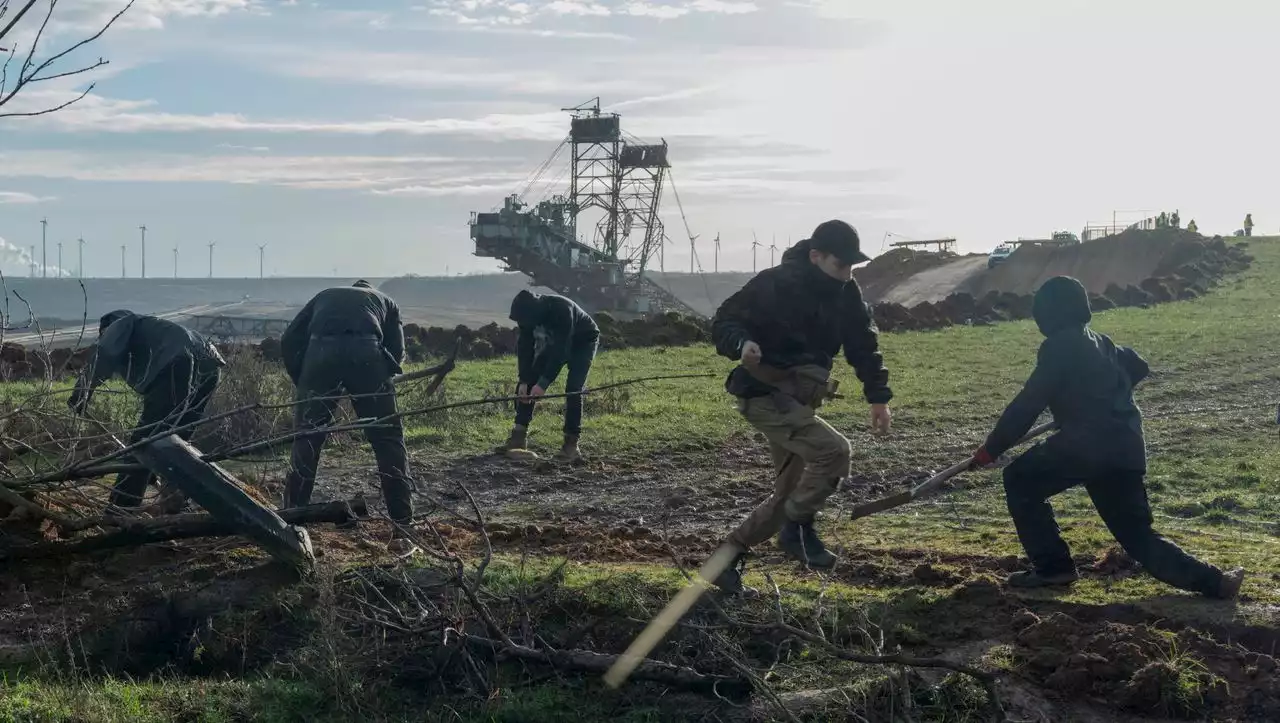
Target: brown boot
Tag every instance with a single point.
(518, 439)
(569, 451)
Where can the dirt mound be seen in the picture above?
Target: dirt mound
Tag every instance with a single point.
(492, 340)
(19, 363)
(1136, 268)
(1147, 670)
(888, 270)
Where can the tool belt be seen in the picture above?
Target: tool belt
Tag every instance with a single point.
(808, 384)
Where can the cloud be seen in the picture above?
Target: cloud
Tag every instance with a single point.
(98, 114)
(572, 7)
(90, 15)
(20, 197)
(304, 172)
(513, 12)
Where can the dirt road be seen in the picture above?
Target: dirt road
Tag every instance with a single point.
(937, 283)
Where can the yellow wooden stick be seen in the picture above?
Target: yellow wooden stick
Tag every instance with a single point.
(658, 628)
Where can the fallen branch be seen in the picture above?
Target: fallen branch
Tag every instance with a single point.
(586, 661)
(138, 531)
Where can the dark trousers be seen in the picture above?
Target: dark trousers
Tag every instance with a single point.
(178, 396)
(1120, 498)
(578, 368)
(359, 368)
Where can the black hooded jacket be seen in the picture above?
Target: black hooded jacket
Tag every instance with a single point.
(1085, 380)
(357, 310)
(566, 327)
(138, 348)
(799, 315)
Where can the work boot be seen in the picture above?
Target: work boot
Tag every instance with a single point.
(1229, 587)
(518, 439)
(729, 582)
(569, 451)
(1032, 579)
(800, 540)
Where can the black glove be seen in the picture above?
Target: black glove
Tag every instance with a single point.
(79, 400)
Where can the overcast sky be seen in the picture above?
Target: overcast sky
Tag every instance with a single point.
(358, 136)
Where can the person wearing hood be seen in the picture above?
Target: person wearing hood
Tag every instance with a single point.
(174, 369)
(1086, 381)
(1248, 224)
(554, 333)
(794, 319)
(349, 340)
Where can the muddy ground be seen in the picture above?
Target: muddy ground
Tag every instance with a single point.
(1059, 661)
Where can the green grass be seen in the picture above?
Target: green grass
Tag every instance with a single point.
(1214, 485)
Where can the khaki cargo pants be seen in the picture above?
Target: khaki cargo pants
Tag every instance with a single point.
(809, 459)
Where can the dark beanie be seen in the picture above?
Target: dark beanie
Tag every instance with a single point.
(524, 308)
(363, 284)
(1061, 303)
(110, 318)
(840, 239)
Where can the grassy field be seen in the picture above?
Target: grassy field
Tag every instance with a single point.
(1214, 482)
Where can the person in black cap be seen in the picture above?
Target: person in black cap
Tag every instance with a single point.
(554, 333)
(786, 326)
(1087, 382)
(349, 340)
(176, 371)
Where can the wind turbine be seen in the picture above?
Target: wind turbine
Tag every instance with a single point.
(175, 262)
(81, 242)
(692, 254)
(262, 250)
(773, 247)
(755, 243)
(717, 266)
(211, 245)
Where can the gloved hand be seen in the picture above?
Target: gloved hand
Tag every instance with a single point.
(981, 458)
(79, 401)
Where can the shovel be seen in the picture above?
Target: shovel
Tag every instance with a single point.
(929, 485)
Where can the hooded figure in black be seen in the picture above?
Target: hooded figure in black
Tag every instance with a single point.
(1086, 382)
(349, 340)
(554, 333)
(174, 369)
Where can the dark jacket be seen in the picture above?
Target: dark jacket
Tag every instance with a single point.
(138, 348)
(345, 311)
(566, 326)
(1085, 380)
(799, 315)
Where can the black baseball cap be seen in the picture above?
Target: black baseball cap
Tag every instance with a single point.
(840, 239)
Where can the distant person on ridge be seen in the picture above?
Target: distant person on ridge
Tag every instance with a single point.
(349, 340)
(176, 371)
(1248, 224)
(1087, 382)
(1192, 227)
(1175, 220)
(786, 327)
(555, 333)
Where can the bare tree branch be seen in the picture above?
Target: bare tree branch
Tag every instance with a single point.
(33, 71)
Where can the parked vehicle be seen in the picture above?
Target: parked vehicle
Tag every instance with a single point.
(999, 254)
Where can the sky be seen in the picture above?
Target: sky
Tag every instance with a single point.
(355, 138)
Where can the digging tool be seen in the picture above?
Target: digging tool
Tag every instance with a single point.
(924, 488)
(670, 615)
(440, 369)
(711, 569)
